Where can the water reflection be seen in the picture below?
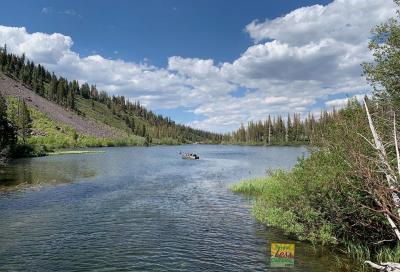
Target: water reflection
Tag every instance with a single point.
(143, 209)
(47, 170)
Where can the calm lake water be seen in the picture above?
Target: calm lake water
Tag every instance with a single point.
(142, 209)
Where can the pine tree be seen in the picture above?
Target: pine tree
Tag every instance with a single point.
(133, 126)
(70, 99)
(7, 131)
(22, 120)
(75, 137)
(53, 87)
(143, 130)
(60, 92)
(85, 90)
(289, 129)
(94, 94)
(3, 57)
(269, 129)
(26, 121)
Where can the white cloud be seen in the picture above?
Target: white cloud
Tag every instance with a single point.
(346, 21)
(68, 12)
(40, 47)
(342, 102)
(303, 57)
(323, 61)
(198, 68)
(271, 100)
(47, 10)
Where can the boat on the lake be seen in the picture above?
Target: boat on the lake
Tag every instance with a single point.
(189, 156)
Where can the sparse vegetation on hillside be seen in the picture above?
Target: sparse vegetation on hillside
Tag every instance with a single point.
(129, 118)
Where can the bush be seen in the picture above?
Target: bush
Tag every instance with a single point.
(323, 199)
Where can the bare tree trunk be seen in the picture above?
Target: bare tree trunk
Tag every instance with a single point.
(269, 132)
(390, 175)
(396, 144)
(391, 179)
(393, 267)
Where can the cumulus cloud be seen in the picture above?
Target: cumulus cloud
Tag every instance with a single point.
(296, 60)
(40, 47)
(346, 21)
(198, 68)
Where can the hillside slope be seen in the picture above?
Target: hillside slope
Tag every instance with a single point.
(82, 125)
(88, 110)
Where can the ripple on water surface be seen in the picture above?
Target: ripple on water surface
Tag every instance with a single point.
(142, 209)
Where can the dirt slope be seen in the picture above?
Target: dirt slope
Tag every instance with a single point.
(10, 87)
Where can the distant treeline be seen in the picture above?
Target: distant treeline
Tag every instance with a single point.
(279, 130)
(141, 121)
(291, 129)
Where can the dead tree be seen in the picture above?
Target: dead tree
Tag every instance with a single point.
(392, 182)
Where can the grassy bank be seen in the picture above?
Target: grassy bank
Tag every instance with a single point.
(48, 136)
(314, 202)
(291, 200)
(345, 193)
(55, 135)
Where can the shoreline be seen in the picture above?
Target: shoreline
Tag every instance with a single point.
(42, 151)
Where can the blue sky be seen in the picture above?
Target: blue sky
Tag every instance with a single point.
(211, 64)
(152, 29)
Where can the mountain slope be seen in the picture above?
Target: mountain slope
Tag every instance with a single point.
(88, 110)
(82, 125)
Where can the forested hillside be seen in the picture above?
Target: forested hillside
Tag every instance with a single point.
(115, 113)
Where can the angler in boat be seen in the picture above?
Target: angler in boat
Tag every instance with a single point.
(189, 156)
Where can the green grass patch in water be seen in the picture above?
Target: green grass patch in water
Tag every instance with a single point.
(70, 152)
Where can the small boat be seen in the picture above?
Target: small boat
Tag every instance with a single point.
(189, 156)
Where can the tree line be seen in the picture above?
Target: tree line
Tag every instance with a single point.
(140, 121)
(279, 130)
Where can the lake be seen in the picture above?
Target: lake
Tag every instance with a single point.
(142, 209)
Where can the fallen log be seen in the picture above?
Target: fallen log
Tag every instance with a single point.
(392, 267)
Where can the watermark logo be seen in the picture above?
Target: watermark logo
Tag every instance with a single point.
(282, 255)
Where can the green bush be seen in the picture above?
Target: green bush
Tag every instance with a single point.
(324, 199)
(296, 201)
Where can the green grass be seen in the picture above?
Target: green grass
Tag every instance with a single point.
(57, 135)
(51, 135)
(48, 134)
(71, 152)
(296, 201)
(278, 205)
(313, 202)
(166, 141)
(251, 187)
(357, 254)
(102, 113)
